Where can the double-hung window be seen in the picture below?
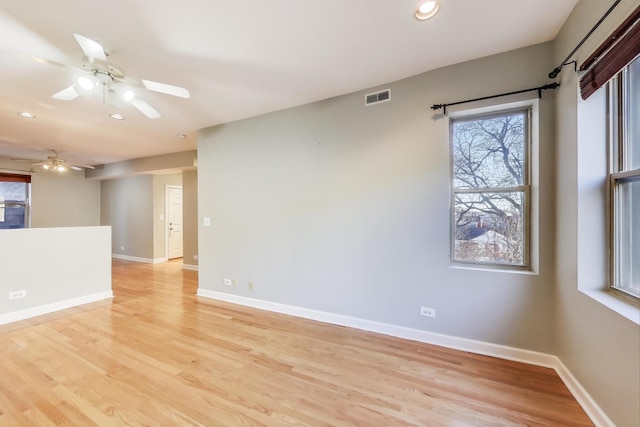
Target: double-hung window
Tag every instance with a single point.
(624, 177)
(490, 166)
(14, 200)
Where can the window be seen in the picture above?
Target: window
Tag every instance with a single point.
(491, 189)
(14, 200)
(624, 107)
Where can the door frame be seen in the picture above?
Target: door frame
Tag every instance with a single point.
(168, 187)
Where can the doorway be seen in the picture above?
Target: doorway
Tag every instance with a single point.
(173, 209)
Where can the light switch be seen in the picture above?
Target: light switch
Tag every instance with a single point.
(207, 221)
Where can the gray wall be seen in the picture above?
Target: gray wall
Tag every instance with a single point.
(60, 200)
(148, 175)
(190, 216)
(127, 206)
(133, 206)
(66, 200)
(600, 347)
(165, 163)
(343, 208)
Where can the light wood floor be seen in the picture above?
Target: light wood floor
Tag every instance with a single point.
(158, 355)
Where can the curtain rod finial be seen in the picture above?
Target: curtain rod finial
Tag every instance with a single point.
(555, 72)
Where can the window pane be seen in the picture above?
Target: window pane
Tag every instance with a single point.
(13, 191)
(13, 196)
(489, 227)
(628, 236)
(489, 152)
(12, 216)
(632, 117)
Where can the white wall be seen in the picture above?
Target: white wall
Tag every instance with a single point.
(599, 346)
(58, 267)
(343, 208)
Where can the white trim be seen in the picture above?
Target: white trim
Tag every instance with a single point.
(167, 188)
(138, 259)
(464, 344)
(585, 400)
(589, 405)
(190, 267)
(53, 307)
(620, 306)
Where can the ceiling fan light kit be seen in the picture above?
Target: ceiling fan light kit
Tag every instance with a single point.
(55, 168)
(86, 83)
(106, 81)
(56, 164)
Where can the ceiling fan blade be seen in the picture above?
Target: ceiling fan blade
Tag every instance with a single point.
(28, 57)
(91, 48)
(75, 168)
(145, 108)
(66, 94)
(167, 89)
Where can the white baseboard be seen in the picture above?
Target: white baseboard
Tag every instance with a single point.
(592, 409)
(53, 307)
(190, 267)
(138, 259)
(585, 400)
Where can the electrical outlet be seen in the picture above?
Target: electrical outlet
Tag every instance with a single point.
(251, 286)
(428, 312)
(235, 283)
(195, 257)
(227, 282)
(122, 248)
(18, 294)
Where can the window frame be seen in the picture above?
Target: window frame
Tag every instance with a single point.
(25, 179)
(618, 172)
(526, 188)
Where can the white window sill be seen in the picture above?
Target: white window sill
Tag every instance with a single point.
(493, 269)
(618, 304)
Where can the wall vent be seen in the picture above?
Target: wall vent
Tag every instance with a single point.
(377, 97)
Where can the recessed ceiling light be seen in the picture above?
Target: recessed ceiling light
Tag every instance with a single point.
(26, 115)
(182, 135)
(116, 116)
(427, 9)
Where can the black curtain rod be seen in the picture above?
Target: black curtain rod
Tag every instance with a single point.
(538, 89)
(558, 69)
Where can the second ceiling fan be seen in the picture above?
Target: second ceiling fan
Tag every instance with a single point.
(107, 80)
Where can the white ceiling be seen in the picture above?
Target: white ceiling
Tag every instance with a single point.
(237, 58)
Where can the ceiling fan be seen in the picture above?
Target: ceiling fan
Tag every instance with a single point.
(55, 164)
(104, 79)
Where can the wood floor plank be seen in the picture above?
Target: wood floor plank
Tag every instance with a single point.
(159, 355)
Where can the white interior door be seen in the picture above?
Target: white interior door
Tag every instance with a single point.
(174, 221)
